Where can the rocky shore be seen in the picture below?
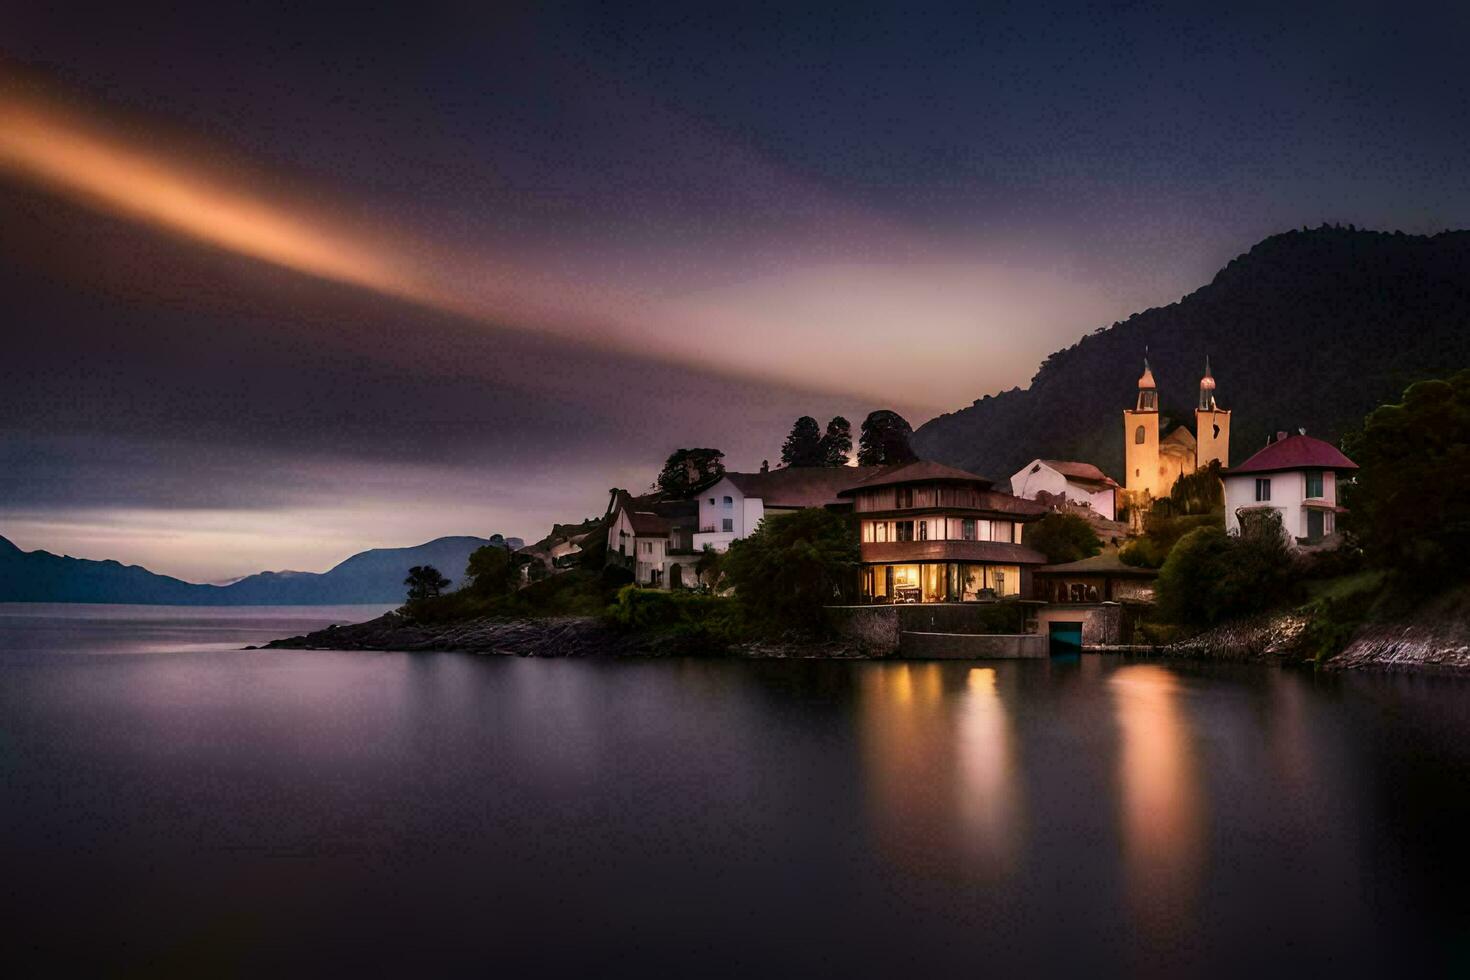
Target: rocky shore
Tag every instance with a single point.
(566, 636)
(1437, 639)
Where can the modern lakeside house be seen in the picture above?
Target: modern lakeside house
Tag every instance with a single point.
(1294, 476)
(932, 533)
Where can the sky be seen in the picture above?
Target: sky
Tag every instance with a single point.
(281, 285)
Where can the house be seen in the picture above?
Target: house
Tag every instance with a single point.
(1296, 477)
(932, 533)
(1079, 483)
(653, 539)
(734, 506)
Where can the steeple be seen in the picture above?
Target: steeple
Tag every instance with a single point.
(1148, 391)
(1207, 389)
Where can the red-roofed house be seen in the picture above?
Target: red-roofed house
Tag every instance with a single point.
(932, 533)
(1294, 475)
(1081, 483)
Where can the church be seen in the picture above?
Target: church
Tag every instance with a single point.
(1154, 459)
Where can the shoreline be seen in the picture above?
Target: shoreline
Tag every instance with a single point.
(1272, 639)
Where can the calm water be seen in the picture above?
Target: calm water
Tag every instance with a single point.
(173, 805)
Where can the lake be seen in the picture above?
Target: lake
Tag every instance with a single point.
(172, 804)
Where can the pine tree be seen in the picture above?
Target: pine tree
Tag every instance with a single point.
(836, 445)
(804, 445)
(885, 440)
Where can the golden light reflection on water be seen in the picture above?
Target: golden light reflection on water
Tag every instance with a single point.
(1161, 797)
(940, 762)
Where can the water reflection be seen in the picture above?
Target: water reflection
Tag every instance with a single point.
(941, 767)
(1161, 798)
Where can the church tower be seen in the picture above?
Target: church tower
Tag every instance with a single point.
(1141, 439)
(1211, 425)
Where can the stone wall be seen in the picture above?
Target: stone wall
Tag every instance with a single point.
(961, 646)
(876, 628)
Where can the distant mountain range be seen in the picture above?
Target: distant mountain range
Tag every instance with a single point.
(1308, 329)
(374, 576)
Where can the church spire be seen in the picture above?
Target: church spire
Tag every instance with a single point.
(1207, 389)
(1148, 394)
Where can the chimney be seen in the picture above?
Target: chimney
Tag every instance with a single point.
(1280, 436)
(765, 466)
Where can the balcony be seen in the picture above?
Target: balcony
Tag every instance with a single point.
(908, 552)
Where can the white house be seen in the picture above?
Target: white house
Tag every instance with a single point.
(654, 547)
(734, 506)
(1296, 476)
(1080, 483)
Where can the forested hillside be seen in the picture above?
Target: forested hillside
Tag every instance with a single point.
(1309, 328)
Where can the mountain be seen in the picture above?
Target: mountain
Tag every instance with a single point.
(374, 576)
(1309, 329)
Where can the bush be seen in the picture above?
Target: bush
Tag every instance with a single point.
(1210, 576)
(1161, 533)
(1063, 538)
(711, 622)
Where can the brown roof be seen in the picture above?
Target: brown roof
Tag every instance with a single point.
(646, 525)
(1296, 453)
(799, 486)
(1085, 472)
(1103, 563)
(922, 471)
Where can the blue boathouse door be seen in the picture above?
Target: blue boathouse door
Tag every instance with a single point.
(1065, 638)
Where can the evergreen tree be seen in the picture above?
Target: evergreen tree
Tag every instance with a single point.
(804, 445)
(885, 439)
(836, 445)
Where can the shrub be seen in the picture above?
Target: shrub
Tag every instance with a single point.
(1063, 538)
(1210, 576)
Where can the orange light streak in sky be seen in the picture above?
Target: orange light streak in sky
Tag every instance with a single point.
(62, 151)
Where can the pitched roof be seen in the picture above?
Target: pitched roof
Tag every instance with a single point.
(1295, 453)
(799, 486)
(1085, 472)
(1182, 435)
(1103, 563)
(646, 525)
(921, 471)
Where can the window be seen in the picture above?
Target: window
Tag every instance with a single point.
(712, 501)
(903, 531)
(1138, 435)
(882, 530)
(905, 497)
(1001, 531)
(967, 529)
(648, 547)
(1263, 489)
(728, 524)
(923, 530)
(1314, 483)
(729, 501)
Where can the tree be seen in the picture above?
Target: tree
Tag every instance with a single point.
(885, 440)
(803, 447)
(425, 582)
(1408, 505)
(1063, 538)
(836, 445)
(793, 565)
(1199, 492)
(489, 572)
(688, 471)
(710, 567)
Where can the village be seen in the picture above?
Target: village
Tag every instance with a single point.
(942, 549)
